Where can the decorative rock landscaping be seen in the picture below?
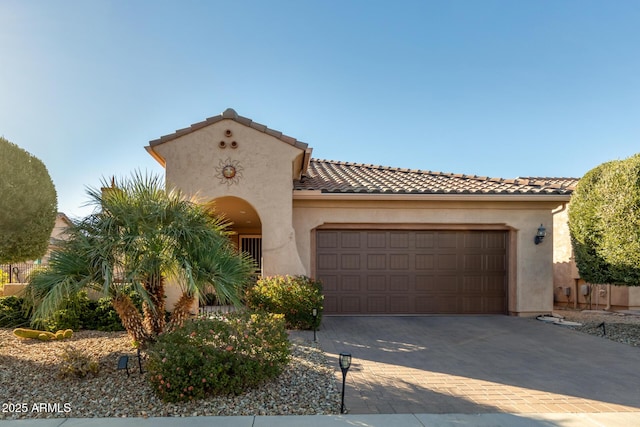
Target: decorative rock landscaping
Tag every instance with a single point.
(30, 386)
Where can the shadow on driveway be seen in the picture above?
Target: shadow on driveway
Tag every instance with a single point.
(479, 364)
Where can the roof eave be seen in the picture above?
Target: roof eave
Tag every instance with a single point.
(319, 195)
(156, 156)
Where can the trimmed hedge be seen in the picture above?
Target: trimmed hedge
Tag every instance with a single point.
(293, 296)
(604, 222)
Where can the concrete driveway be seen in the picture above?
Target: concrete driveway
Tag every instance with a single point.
(479, 364)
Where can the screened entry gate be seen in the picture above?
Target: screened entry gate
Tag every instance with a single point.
(412, 271)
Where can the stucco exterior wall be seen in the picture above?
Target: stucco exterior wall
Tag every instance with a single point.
(531, 272)
(265, 169)
(565, 272)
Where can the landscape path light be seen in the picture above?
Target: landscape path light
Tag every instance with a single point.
(314, 313)
(345, 363)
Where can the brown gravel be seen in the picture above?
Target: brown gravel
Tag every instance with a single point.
(30, 387)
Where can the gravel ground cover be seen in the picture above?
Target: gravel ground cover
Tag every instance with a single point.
(30, 387)
(620, 327)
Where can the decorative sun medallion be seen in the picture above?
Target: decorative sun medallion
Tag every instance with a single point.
(229, 171)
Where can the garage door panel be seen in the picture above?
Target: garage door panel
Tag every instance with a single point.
(472, 285)
(425, 283)
(495, 240)
(400, 305)
(330, 303)
(447, 240)
(330, 283)
(351, 284)
(447, 262)
(495, 285)
(350, 261)
(399, 261)
(377, 305)
(412, 272)
(446, 283)
(472, 262)
(351, 304)
(399, 240)
(350, 239)
(446, 305)
(327, 239)
(472, 240)
(376, 283)
(377, 262)
(424, 240)
(399, 283)
(425, 261)
(496, 262)
(327, 262)
(376, 239)
(493, 304)
(472, 305)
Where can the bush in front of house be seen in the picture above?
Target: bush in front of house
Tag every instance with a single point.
(77, 312)
(293, 296)
(219, 356)
(13, 313)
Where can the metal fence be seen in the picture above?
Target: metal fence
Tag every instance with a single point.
(17, 273)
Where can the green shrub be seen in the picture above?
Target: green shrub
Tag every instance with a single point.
(13, 313)
(225, 355)
(293, 296)
(604, 222)
(80, 312)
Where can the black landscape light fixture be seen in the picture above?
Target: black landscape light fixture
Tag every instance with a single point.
(123, 362)
(542, 232)
(345, 363)
(314, 313)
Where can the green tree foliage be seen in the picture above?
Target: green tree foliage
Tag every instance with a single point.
(293, 296)
(604, 221)
(28, 205)
(139, 236)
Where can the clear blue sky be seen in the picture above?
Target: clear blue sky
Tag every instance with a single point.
(498, 88)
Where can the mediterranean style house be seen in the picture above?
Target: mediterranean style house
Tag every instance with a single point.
(382, 240)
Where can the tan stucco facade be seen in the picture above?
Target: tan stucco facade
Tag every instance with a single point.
(530, 271)
(266, 164)
(265, 169)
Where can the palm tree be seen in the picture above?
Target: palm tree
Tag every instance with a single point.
(142, 235)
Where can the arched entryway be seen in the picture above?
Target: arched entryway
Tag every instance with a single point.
(246, 225)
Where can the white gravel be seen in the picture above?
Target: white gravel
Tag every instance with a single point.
(30, 387)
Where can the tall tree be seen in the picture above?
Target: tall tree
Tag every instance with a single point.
(604, 222)
(142, 235)
(28, 205)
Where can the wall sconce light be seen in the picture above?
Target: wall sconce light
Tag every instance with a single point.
(345, 363)
(542, 232)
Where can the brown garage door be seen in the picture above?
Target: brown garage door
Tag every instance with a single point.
(412, 272)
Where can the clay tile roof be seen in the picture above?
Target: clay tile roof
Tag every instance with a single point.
(230, 114)
(329, 176)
